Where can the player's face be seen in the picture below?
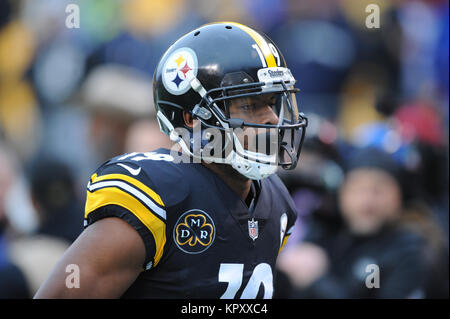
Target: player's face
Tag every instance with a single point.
(256, 109)
(259, 110)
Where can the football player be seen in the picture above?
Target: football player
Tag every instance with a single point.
(209, 221)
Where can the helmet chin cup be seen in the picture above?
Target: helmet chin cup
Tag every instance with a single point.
(252, 170)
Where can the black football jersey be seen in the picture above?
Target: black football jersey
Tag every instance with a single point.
(201, 239)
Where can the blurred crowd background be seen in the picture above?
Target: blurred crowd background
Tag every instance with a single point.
(372, 184)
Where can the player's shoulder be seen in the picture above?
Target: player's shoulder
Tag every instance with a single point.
(281, 193)
(278, 186)
(155, 172)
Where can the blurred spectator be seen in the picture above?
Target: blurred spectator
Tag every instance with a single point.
(27, 258)
(414, 136)
(5, 11)
(15, 201)
(116, 96)
(8, 172)
(35, 256)
(420, 125)
(145, 136)
(13, 283)
(331, 263)
(53, 194)
(319, 50)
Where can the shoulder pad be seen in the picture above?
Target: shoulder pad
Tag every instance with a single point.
(282, 193)
(155, 170)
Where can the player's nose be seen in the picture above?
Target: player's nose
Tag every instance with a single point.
(268, 116)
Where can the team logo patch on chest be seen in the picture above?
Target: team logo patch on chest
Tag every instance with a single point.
(194, 231)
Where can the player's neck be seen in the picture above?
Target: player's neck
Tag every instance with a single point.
(237, 182)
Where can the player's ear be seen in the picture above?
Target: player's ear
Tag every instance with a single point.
(188, 119)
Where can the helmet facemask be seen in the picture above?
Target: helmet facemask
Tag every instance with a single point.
(230, 134)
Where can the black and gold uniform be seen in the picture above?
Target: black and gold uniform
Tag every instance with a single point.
(202, 240)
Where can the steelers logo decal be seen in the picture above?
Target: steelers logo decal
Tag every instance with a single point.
(194, 231)
(177, 70)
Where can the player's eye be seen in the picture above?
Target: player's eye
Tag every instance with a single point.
(273, 104)
(248, 107)
(272, 101)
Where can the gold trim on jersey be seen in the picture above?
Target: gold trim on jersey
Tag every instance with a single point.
(285, 239)
(139, 185)
(111, 189)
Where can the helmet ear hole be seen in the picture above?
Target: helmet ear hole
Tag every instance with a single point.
(196, 33)
(228, 27)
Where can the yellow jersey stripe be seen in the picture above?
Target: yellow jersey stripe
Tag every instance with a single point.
(116, 196)
(131, 190)
(284, 243)
(260, 41)
(139, 185)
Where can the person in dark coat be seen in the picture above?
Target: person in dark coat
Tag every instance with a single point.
(373, 254)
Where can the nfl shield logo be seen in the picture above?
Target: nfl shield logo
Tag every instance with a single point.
(253, 229)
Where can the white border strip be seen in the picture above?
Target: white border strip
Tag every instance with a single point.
(138, 194)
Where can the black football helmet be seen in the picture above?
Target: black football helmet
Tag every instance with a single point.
(208, 68)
